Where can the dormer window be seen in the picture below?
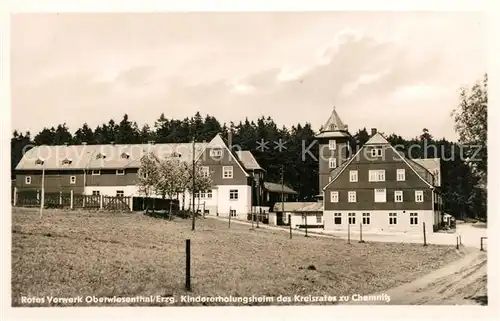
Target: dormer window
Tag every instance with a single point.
(175, 154)
(67, 161)
(125, 156)
(100, 155)
(333, 127)
(39, 162)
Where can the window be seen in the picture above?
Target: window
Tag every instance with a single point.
(377, 175)
(209, 194)
(419, 196)
(353, 176)
(380, 195)
(96, 193)
(393, 218)
(72, 179)
(400, 175)
(39, 162)
(216, 152)
(334, 197)
(232, 213)
(96, 172)
(413, 218)
(352, 197)
(352, 218)
(337, 218)
(366, 218)
(377, 152)
(120, 172)
(332, 144)
(67, 161)
(233, 194)
(100, 155)
(398, 196)
(27, 180)
(227, 172)
(125, 155)
(332, 162)
(318, 218)
(120, 193)
(205, 171)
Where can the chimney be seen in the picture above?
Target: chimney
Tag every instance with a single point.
(151, 142)
(230, 138)
(84, 143)
(374, 131)
(112, 143)
(65, 143)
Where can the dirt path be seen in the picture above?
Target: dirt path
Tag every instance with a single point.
(461, 282)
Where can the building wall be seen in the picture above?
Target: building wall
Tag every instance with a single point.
(379, 221)
(216, 164)
(341, 153)
(298, 219)
(54, 181)
(365, 189)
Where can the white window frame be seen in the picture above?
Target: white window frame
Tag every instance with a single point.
(118, 171)
(337, 215)
(72, 179)
(233, 195)
(332, 144)
(377, 152)
(401, 175)
(209, 193)
(351, 197)
(27, 180)
(96, 172)
(334, 197)
(332, 162)
(376, 175)
(205, 171)
(398, 194)
(393, 218)
(216, 152)
(353, 176)
(351, 218)
(413, 218)
(378, 191)
(122, 192)
(227, 170)
(419, 196)
(366, 219)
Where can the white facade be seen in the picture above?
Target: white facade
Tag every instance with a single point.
(380, 221)
(220, 204)
(299, 219)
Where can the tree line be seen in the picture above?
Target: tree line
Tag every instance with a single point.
(463, 179)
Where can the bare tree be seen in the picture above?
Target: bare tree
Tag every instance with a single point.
(147, 176)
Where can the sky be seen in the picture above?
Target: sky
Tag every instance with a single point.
(397, 72)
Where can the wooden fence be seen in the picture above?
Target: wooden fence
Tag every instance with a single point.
(73, 201)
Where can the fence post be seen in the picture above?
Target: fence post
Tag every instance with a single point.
(258, 218)
(188, 265)
(361, 233)
(71, 199)
(482, 248)
(253, 218)
(131, 203)
(290, 223)
(306, 223)
(15, 196)
(229, 217)
(457, 243)
(460, 239)
(348, 232)
(425, 236)
(100, 201)
(60, 198)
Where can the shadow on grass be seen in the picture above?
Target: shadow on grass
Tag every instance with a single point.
(481, 299)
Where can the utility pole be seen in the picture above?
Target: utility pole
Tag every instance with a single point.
(192, 194)
(42, 197)
(283, 195)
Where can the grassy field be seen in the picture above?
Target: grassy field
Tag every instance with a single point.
(102, 254)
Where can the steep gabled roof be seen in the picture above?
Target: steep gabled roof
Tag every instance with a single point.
(380, 140)
(248, 160)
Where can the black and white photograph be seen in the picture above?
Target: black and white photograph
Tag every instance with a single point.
(231, 159)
